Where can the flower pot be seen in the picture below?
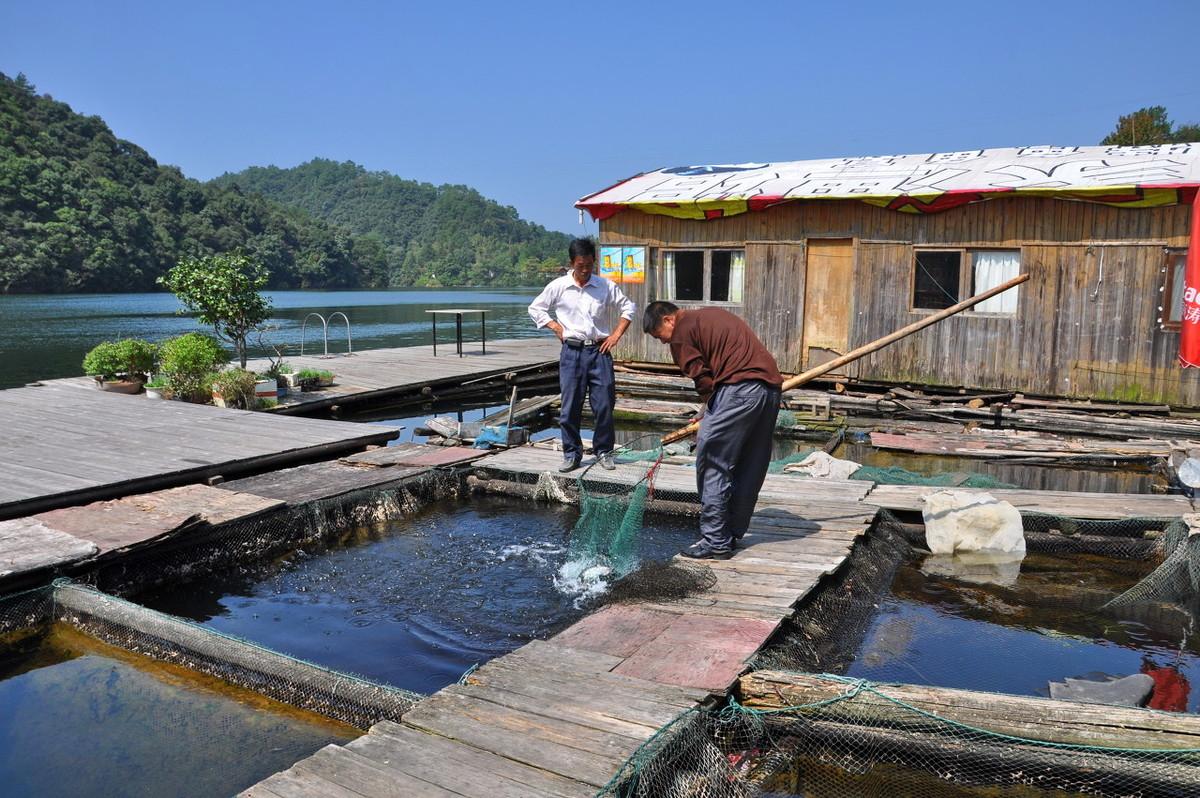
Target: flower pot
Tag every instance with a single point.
(266, 389)
(156, 393)
(219, 400)
(119, 386)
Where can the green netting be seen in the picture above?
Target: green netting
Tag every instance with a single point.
(610, 519)
(1177, 579)
(894, 475)
(777, 466)
(827, 736)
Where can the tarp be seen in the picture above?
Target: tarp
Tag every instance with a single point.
(1148, 176)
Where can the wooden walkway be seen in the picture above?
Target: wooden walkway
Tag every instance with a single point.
(378, 376)
(66, 445)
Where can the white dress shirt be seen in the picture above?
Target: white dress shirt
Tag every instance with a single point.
(583, 311)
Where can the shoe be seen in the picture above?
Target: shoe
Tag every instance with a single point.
(701, 551)
(606, 461)
(568, 464)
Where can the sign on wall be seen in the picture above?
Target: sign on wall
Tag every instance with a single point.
(623, 264)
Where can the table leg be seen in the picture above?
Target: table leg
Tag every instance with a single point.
(458, 331)
(433, 318)
(483, 330)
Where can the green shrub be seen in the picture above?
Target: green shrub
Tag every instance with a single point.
(132, 357)
(314, 374)
(188, 362)
(159, 381)
(236, 387)
(103, 361)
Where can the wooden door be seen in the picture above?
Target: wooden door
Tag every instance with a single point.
(828, 296)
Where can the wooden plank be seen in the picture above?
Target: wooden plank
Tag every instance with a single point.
(617, 630)
(365, 777)
(707, 653)
(469, 771)
(317, 481)
(569, 749)
(27, 544)
(416, 455)
(144, 518)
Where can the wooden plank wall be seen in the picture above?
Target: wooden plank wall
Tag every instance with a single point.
(1086, 323)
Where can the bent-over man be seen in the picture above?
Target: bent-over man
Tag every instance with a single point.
(740, 384)
(582, 303)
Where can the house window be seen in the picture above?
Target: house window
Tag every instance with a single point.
(935, 285)
(1172, 305)
(703, 275)
(945, 277)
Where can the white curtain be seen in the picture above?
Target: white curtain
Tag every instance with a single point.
(737, 272)
(993, 267)
(668, 276)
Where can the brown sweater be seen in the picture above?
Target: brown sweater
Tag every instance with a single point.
(715, 348)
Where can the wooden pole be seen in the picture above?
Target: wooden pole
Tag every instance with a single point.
(874, 346)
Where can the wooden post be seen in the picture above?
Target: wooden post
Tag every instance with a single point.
(867, 349)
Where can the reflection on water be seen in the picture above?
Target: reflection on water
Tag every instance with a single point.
(79, 718)
(416, 602)
(1016, 636)
(46, 336)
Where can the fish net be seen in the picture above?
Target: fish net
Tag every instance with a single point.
(824, 736)
(611, 511)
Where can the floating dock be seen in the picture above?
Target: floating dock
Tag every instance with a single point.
(413, 373)
(67, 445)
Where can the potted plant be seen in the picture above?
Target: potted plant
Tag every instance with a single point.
(188, 363)
(266, 386)
(156, 388)
(310, 379)
(121, 366)
(235, 388)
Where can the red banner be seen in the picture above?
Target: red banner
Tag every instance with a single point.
(1189, 332)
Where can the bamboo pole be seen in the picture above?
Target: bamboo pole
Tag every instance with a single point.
(866, 349)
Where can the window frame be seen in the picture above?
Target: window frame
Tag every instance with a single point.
(707, 281)
(966, 277)
(1174, 258)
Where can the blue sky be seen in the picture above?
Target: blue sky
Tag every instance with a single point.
(536, 104)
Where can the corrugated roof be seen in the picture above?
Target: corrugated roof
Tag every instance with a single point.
(1164, 174)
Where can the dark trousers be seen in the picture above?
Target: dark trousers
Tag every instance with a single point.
(732, 455)
(584, 372)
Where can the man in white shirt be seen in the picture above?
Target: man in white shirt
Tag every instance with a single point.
(582, 303)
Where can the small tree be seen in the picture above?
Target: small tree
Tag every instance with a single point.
(223, 290)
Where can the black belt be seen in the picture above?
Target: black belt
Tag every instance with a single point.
(577, 344)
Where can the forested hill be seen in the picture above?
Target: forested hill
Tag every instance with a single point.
(440, 235)
(82, 210)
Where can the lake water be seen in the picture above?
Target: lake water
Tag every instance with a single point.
(46, 336)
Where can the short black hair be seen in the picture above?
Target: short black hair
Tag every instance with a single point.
(655, 313)
(582, 246)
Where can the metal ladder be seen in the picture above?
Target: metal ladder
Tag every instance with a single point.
(325, 332)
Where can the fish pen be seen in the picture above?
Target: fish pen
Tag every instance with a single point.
(910, 674)
(124, 700)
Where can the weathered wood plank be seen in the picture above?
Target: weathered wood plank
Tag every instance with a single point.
(707, 653)
(27, 544)
(469, 771)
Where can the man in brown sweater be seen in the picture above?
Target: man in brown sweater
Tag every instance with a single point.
(740, 384)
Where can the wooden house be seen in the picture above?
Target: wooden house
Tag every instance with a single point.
(823, 256)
